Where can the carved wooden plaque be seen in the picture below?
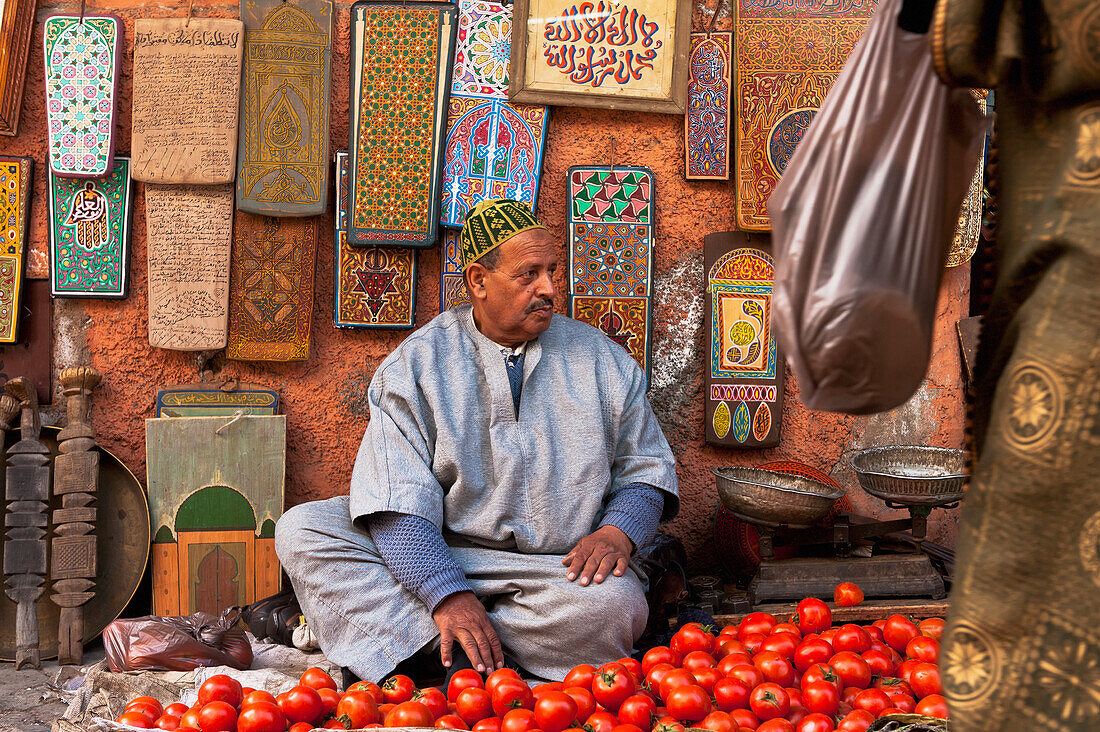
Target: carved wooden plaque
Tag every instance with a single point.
(187, 77)
(82, 71)
(284, 134)
(271, 288)
(16, 188)
(213, 509)
(16, 24)
(452, 285)
(190, 232)
(32, 355)
(743, 384)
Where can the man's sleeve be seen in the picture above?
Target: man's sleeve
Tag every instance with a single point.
(635, 510)
(416, 554)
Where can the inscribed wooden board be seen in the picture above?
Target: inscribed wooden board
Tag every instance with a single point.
(375, 287)
(271, 288)
(32, 355)
(82, 73)
(207, 399)
(624, 320)
(452, 285)
(189, 235)
(788, 55)
(494, 148)
(16, 189)
(610, 231)
(743, 384)
(401, 58)
(16, 24)
(284, 134)
(187, 82)
(90, 234)
(707, 121)
(213, 508)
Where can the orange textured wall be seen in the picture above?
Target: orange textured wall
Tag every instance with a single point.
(325, 398)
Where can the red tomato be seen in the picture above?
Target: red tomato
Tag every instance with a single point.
(816, 723)
(301, 704)
(169, 722)
(492, 724)
(734, 659)
(397, 689)
(694, 637)
(474, 705)
(689, 703)
(613, 684)
(633, 667)
(810, 652)
(821, 672)
(410, 714)
(221, 688)
(519, 720)
(653, 657)
(775, 667)
(769, 701)
(316, 678)
(821, 697)
(847, 594)
(879, 663)
(904, 702)
(555, 711)
(754, 623)
(668, 723)
(697, 660)
(795, 695)
(752, 642)
(672, 680)
(638, 709)
(717, 722)
(748, 674)
(258, 695)
(924, 649)
(451, 721)
(931, 627)
(329, 700)
(586, 703)
(852, 638)
(857, 720)
(176, 709)
(707, 677)
(467, 678)
(898, 631)
(149, 701)
(300, 727)
(728, 644)
(780, 642)
(433, 699)
(744, 718)
(775, 725)
(933, 705)
(151, 711)
(371, 688)
(730, 694)
(601, 721)
(925, 680)
(135, 719)
(852, 670)
(359, 706)
(218, 716)
(873, 700)
(264, 716)
(190, 718)
(510, 694)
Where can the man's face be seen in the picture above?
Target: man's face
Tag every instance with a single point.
(515, 302)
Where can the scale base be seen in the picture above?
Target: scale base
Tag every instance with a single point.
(889, 575)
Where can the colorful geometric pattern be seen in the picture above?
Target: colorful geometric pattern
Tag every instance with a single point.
(16, 189)
(401, 60)
(484, 49)
(741, 413)
(284, 126)
(90, 234)
(271, 287)
(610, 231)
(624, 320)
(788, 55)
(375, 287)
(707, 122)
(81, 56)
(452, 285)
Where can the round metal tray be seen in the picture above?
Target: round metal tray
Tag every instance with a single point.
(913, 475)
(122, 550)
(767, 498)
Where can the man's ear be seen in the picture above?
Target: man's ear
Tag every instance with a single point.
(475, 280)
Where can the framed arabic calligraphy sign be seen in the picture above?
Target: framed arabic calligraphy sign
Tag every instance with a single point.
(16, 24)
(616, 54)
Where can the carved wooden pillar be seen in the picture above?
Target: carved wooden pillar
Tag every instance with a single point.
(27, 493)
(75, 481)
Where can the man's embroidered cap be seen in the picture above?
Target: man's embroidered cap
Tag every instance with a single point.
(490, 224)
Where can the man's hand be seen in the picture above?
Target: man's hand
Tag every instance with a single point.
(462, 617)
(607, 549)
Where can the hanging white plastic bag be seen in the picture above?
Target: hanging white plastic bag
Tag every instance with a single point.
(862, 220)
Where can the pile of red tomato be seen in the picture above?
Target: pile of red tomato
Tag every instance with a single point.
(801, 675)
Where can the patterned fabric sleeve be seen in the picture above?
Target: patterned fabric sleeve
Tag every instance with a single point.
(416, 555)
(636, 510)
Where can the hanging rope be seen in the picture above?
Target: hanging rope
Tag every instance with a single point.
(190, 9)
(714, 17)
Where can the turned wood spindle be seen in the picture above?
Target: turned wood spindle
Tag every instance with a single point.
(75, 482)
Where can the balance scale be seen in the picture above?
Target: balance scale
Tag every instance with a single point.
(785, 510)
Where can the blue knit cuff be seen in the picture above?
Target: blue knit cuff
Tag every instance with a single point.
(636, 511)
(442, 585)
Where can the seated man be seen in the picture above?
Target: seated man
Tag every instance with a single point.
(511, 466)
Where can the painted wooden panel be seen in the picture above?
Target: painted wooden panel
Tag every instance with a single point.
(284, 132)
(16, 25)
(82, 58)
(208, 399)
(788, 55)
(214, 507)
(401, 58)
(16, 189)
(271, 288)
(452, 285)
(707, 121)
(90, 231)
(744, 375)
(375, 286)
(625, 320)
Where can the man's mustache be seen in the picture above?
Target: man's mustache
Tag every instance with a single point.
(542, 302)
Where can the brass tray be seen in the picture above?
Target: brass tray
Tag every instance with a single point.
(122, 551)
